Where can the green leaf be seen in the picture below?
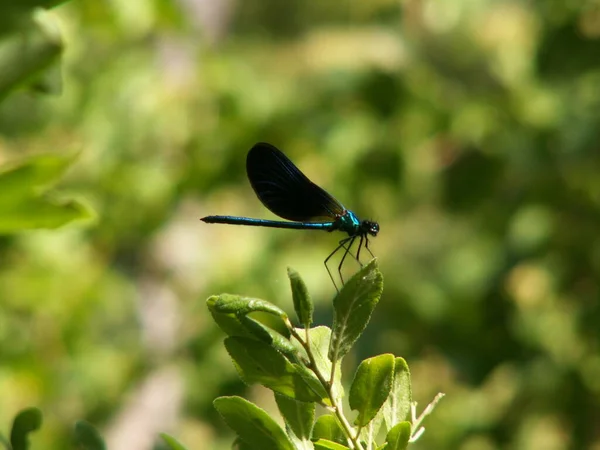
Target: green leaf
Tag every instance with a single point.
(371, 386)
(229, 312)
(252, 424)
(228, 322)
(299, 416)
(353, 307)
(313, 382)
(23, 204)
(398, 437)
(271, 337)
(241, 306)
(370, 432)
(172, 443)
(25, 53)
(397, 406)
(324, 444)
(239, 444)
(25, 422)
(257, 362)
(41, 213)
(14, 13)
(327, 427)
(32, 175)
(319, 338)
(87, 437)
(302, 303)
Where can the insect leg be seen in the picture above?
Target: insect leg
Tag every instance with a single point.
(351, 239)
(342, 244)
(367, 247)
(360, 244)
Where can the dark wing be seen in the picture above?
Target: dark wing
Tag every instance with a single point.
(285, 190)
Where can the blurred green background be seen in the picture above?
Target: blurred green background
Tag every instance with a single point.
(469, 129)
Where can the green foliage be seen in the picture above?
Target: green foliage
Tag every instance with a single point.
(352, 309)
(328, 428)
(299, 416)
(25, 422)
(263, 363)
(260, 363)
(371, 387)
(241, 306)
(230, 312)
(320, 338)
(468, 130)
(25, 204)
(30, 44)
(398, 436)
(397, 406)
(87, 437)
(171, 442)
(302, 303)
(324, 444)
(252, 424)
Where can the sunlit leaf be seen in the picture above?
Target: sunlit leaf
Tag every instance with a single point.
(313, 382)
(19, 179)
(230, 323)
(324, 444)
(26, 53)
(257, 362)
(302, 303)
(299, 416)
(319, 339)
(269, 336)
(370, 432)
(173, 443)
(24, 203)
(41, 213)
(230, 313)
(371, 387)
(327, 427)
(353, 307)
(252, 424)
(397, 406)
(229, 303)
(398, 437)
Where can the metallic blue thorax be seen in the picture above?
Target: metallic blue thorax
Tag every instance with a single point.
(347, 223)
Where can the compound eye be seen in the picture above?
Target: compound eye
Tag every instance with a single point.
(374, 228)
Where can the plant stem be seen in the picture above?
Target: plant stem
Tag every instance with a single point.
(328, 385)
(417, 430)
(332, 375)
